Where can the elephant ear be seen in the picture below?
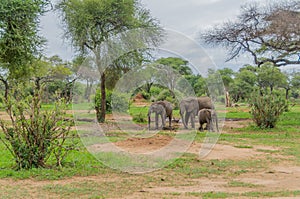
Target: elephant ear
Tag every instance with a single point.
(210, 112)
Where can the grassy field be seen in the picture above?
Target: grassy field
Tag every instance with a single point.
(275, 155)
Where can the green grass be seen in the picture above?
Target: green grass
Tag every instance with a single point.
(286, 135)
(211, 194)
(82, 106)
(80, 163)
(80, 189)
(243, 146)
(272, 194)
(238, 115)
(247, 194)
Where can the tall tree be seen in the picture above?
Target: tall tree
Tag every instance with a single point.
(270, 76)
(19, 39)
(227, 77)
(177, 64)
(244, 83)
(269, 33)
(91, 23)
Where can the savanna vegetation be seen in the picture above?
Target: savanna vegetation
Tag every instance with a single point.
(43, 152)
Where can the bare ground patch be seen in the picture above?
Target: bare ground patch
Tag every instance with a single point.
(281, 176)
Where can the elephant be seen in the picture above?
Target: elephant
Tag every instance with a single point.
(162, 108)
(208, 116)
(190, 106)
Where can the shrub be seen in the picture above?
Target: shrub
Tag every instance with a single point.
(115, 101)
(145, 95)
(120, 102)
(33, 135)
(139, 118)
(97, 100)
(164, 94)
(221, 99)
(266, 109)
(155, 90)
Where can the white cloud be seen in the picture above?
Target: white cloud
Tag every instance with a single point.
(188, 17)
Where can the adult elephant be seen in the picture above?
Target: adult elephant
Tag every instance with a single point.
(189, 108)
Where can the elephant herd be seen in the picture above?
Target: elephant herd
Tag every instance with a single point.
(189, 108)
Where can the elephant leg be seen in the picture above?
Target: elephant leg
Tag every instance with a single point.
(193, 120)
(183, 121)
(209, 125)
(187, 115)
(217, 126)
(201, 127)
(182, 115)
(149, 121)
(170, 121)
(156, 121)
(163, 120)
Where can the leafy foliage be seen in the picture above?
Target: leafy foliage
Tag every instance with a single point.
(266, 109)
(33, 134)
(178, 64)
(114, 101)
(270, 76)
(92, 24)
(19, 40)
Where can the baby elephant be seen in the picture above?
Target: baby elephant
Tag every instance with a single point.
(162, 108)
(209, 117)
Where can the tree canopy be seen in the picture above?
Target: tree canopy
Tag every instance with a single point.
(100, 27)
(19, 39)
(269, 33)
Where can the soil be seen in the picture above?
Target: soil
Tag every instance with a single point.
(280, 176)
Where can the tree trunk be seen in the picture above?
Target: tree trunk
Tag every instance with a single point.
(227, 99)
(6, 86)
(287, 93)
(101, 113)
(88, 90)
(271, 89)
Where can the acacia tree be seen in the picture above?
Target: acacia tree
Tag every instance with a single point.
(269, 33)
(90, 24)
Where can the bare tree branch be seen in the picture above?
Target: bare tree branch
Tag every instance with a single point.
(269, 33)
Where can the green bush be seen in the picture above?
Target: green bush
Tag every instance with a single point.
(155, 90)
(139, 118)
(145, 95)
(115, 101)
(97, 100)
(267, 108)
(33, 135)
(221, 98)
(164, 94)
(119, 102)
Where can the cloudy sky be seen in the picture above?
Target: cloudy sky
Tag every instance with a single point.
(187, 17)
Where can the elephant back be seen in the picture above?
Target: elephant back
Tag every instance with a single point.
(156, 108)
(167, 105)
(189, 104)
(205, 102)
